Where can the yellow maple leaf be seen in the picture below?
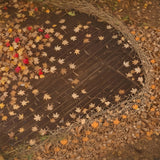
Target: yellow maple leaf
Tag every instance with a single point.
(11, 48)
(1, 47)
(2, 82)
(54, 25)
(4, 118)
(38, 38)
(41, 76)
(9, 30)
(23, 67)
(2, 105)
(20, 51)
(6, 69)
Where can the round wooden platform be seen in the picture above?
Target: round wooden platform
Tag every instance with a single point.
(59, 67)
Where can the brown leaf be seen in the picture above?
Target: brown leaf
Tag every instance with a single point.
(41, 47)
(47, 147)
(75, 81)
(63, 71)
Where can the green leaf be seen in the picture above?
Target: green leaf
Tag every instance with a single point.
(29, 157)
(71, 13)
(44, 138)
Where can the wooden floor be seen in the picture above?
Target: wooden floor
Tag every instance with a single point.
(77, 66)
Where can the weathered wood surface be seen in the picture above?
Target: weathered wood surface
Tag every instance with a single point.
(94, 72)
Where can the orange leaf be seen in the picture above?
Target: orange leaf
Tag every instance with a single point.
(157, 113)
(64, 141)
(95, 124)
(153, 86)
(143, 39)
(138, 100)
(56, 149)
(48, 11)
(105, 124)
(153, 61)
(88, 132)
(149, 133)
(124, 116)
(116, 121)
(137, 38)
(152, 109)
(85, 139)
(135, 106)
(133, 32)
(137, 135)
(75, 141)
(152, 98)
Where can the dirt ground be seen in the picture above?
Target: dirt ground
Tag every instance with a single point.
(135, 135)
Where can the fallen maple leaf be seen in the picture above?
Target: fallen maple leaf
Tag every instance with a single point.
(17, 39)
(46, 96)
(63, 71)
(2, 105)
(42, 132)
(75, 96)
(17, 69)
(32, 142)
(16, 55)
(26, 61)
(46, 36)
(37, 117)
(55, 115)
(7, 44)
(21, 130)
(40, 30)
(116, 121)
(11, 135)
(24, 103)
(75, 81)
(95, 124)
(21, 93)
(29, 28)
(4, 118)
(50, 107)
(40, 72)
(64, 141)
(35, 91)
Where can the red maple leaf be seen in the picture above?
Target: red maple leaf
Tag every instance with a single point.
(17, 69)
(47, 36)
(17, 39)
(29, 28)
(40, 72)
(36, 9)
(25, 61)
(7, 44)
(40, 30)
(16, 55)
